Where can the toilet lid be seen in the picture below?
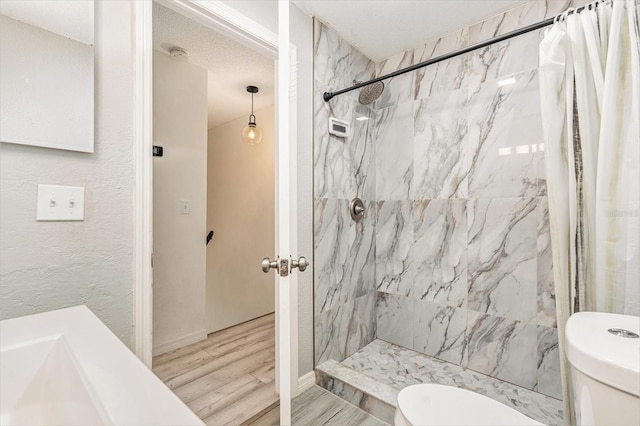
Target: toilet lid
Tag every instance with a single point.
(428, 404)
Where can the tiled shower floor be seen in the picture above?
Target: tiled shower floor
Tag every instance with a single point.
(377, 372)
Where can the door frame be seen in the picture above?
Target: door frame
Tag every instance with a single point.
(225, 20)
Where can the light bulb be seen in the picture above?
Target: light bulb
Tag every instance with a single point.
(252, 134)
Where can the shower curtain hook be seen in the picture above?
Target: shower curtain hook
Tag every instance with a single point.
(567, 12)
(558, 18)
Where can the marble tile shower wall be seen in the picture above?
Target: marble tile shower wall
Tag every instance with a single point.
(453, 257)
(463, 259)
(344, 281)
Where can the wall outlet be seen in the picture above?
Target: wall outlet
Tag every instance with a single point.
(57, 203)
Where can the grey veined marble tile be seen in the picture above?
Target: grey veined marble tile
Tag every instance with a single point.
(341, 331)
(399, 367)
(546, 292)
(394, 317)
(394, 246)
(502, 348)
(502, 257)
(344, 254)
(516, 17)
(444, 76)
(363, 68)
(343, 167)
(394, 152)
(440, 331)
(440, 164)
(500, 61)
(362, 151)
(331, 62)
(504, 133)
(399, 89)
(332, 164)
(440, 251)
(549, 378)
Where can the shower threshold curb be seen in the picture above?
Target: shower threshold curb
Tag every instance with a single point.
(359, 389)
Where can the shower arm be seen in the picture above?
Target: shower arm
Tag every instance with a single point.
(327, 96)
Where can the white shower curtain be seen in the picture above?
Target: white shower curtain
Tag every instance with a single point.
(590, 98)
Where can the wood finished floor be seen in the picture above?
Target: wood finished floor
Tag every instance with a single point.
(227, 379)
(318, 406)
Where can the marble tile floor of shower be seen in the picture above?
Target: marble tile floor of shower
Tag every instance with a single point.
(372, 377)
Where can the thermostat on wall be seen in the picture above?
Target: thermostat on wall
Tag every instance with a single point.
(339, 128)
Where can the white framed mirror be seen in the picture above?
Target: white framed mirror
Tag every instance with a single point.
(47, 73)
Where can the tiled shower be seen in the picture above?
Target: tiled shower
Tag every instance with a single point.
(453, 258)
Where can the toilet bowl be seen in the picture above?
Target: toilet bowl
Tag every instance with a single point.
(429, 404)
(604, 353)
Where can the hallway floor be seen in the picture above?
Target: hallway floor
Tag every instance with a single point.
(317, 406)
(227, 379)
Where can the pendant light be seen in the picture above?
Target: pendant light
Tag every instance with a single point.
(252, 134)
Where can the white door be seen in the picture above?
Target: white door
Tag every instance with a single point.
(220, 17)
(286, 264)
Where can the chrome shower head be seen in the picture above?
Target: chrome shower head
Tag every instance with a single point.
(370, 93)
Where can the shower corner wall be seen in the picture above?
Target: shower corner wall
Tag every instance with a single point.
(453, 259)
(344, 168)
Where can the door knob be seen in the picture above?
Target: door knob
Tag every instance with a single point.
(301, 263)
(269, 264)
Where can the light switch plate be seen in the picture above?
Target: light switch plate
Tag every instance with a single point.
(184, 207)
(56, 203)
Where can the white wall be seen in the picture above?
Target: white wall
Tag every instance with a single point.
(45, 266)
(51, 265)
(240, 210)
(179, 252)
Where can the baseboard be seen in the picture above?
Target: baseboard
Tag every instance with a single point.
(188, 339)
(306, 382)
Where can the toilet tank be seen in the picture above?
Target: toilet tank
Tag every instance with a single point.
(604, 354)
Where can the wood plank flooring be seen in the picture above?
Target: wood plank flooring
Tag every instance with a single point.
(318, 406)
(227, 379)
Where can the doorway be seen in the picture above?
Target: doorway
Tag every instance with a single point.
(223, 18)
(213, 192)
(213, 214)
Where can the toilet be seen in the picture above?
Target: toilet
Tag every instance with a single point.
(430, 404)
(604, 353)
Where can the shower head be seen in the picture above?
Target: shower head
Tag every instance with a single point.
(371, 92)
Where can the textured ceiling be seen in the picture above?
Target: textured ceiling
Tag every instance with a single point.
(232, 67)
(69, 18)
(382, 28)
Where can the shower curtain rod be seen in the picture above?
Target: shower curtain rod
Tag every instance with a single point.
(329, 95)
